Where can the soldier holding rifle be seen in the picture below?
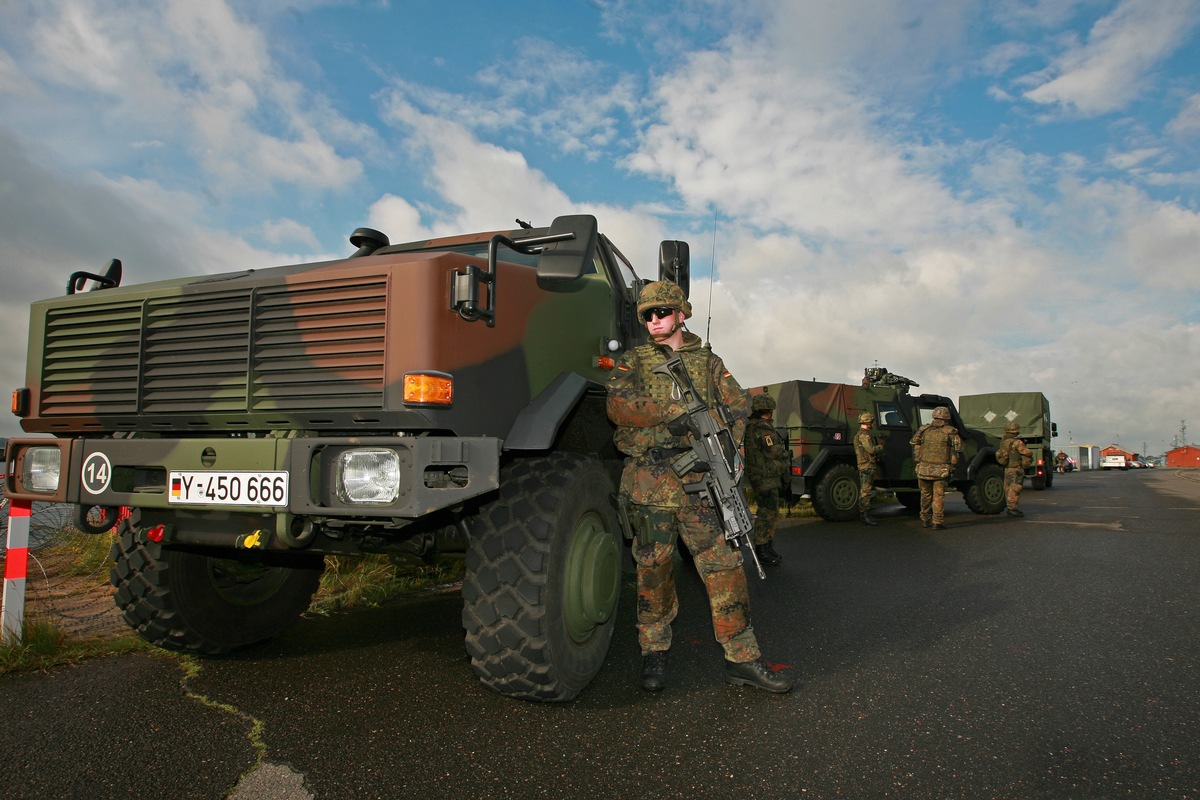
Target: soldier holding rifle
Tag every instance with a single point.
(654, 431)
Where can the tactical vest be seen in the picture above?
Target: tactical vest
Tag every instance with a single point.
(936, 445)
(662, 388)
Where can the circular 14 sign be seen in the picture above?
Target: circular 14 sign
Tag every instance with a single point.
(97, 473)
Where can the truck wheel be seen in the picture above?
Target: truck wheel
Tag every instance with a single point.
(986, 494)
(543, 577)
(191, 601)
(836, 497)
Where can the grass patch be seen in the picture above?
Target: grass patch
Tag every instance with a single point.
(372, 580)
(44, 645)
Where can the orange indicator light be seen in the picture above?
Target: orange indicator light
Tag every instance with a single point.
(428, 388)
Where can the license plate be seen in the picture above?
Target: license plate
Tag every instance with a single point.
(230, 488)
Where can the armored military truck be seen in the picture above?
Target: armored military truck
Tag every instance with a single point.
(821, 419)
(442, 395)
(1031, 411)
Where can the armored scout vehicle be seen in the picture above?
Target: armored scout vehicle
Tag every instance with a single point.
(414, 398)
(821, 420)
(1031, 411)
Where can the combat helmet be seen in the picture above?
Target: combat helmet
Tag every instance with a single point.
(762, 402)
(1012, 428)
(941, 412)
(866, 418)
(664, 294)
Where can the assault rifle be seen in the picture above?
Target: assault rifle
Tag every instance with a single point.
(715, 454)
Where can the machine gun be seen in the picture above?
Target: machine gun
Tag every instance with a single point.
(714, 454)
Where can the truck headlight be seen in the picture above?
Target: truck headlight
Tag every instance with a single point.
(368, 476)
(41, 469)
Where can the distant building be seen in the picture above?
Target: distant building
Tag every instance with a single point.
(1186, 456)
(1087, 456)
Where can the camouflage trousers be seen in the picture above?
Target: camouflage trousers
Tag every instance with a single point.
(720, 568)
(1013, 483)
(866, 484)
(766, 516)
(933, 500)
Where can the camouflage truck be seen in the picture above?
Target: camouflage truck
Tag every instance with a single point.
(1031, 411)
(411, 399)
(820, 420)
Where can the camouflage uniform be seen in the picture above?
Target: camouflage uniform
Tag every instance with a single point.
(641, 403)
(768, 465)
(1015, 456)
(868, 448)
(936, 449)
(1060, 462)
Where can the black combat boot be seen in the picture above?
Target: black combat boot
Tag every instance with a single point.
(868, 519)
(770, 548)
(937, 526)
(758, 675)
(654, 671)
(765, 555)
(1014, 512)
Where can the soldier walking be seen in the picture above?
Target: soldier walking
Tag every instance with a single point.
(868, 449)
(937, 447)
(768, 465)
(652, 431)
(1014, 455)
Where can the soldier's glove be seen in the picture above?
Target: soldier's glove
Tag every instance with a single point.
(682, 425)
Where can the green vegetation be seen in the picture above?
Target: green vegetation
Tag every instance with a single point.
(44, 645)
(373, 580)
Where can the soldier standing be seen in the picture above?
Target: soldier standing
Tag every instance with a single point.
(936, 449)
(1014, 455)
(868, 448)
(1060, 462)
(768, 465)
(652, 431)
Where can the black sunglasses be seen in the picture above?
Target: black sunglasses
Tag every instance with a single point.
(661, 312)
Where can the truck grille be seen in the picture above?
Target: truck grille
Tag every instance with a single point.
(296, 346)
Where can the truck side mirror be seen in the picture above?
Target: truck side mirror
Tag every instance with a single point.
(674, 264)
(568, 258)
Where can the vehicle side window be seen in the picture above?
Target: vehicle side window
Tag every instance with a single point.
(888, 415)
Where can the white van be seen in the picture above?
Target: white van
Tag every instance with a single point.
(1113, 462)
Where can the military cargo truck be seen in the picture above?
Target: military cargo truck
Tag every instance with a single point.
(1031, 411)
(821, 419)
(443, 395)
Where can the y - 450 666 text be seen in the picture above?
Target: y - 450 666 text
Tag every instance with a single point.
(229, 488)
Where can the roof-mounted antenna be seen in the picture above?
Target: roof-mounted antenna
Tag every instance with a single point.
(712, 278)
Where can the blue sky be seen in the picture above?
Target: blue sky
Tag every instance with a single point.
(982, 196)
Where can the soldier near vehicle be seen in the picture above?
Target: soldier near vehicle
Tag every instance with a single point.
(653, 430)
(868, 449)
(1060, 462)
(937, 447)
(768, 466)
(1015, 457)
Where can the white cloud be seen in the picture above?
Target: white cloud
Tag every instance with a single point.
(1111, 68)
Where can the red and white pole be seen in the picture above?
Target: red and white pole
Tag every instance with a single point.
(16, 564)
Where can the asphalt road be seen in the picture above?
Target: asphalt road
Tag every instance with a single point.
(1051, 657)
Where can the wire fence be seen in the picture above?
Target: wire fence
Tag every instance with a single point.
(67, 578)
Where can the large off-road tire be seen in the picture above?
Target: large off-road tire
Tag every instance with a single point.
(836, 494)
(191, 601)
(986, 494)
(543, 577)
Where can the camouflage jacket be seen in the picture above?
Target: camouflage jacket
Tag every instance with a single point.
(768, 460)
(641, 403)
(933, 444)
(1014, 452)
(867, 449)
